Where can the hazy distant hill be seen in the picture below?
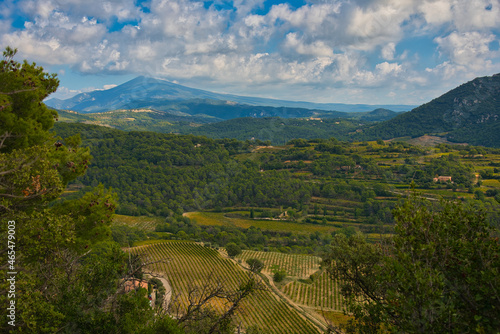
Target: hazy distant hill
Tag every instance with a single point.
(469, 113)
(277, 129)
(280, 130)
(144, 92)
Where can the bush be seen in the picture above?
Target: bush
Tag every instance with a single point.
(279, 276)
(233, 249)
(256, 265)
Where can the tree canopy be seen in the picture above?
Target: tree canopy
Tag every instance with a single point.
(438, 274)
(24, 119)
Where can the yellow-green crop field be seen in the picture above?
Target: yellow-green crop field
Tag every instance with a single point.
(491, 183)
(218, 218)
(334, 317)
(190, 263)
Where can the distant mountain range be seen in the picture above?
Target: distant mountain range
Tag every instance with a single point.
(144, 92)
(469, 114)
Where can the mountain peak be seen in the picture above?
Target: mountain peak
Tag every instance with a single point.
(147, 92)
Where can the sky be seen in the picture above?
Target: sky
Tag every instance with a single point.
(355, 51)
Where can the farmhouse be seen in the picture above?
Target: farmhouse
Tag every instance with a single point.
(345, 168)
(135, 284)
(443, 179)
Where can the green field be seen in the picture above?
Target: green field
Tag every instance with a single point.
(218, 218)
(318, 292)
(322, 292)
(141, 222)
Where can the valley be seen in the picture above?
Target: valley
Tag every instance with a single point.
(283, 205)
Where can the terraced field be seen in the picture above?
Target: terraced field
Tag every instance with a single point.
(218, 218)
(191, 263)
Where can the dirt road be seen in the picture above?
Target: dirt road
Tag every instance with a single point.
(167, 298)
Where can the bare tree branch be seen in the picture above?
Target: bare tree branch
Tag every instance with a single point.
(245, 290)
(43, 192)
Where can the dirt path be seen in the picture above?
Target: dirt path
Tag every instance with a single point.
(305, 311)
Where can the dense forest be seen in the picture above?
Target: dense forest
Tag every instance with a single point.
(278, 130)
(160, 174)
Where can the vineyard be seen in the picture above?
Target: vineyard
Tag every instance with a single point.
(319, 291)
(141, 222)
(323, 293)
(301, 266)
(189, 264)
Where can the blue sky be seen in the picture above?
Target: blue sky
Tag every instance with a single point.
(357, 51)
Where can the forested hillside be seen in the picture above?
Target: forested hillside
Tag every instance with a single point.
(468, 113)
(161, 173)
(278, 130)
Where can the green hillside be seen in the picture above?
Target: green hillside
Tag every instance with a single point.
(328, 183)
(277, 130)
(469, 113)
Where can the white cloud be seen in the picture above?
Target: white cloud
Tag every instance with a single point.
(106, 87)
(65, 93)
(476, 14)
(317, 48)
(470, 49)
(387, 51)
(436, 12)
(386, 68)
(323, 43)
(379, 23)
(244, 7)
